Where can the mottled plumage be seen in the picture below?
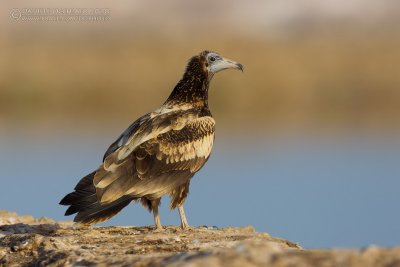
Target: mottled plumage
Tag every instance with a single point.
(158, 154)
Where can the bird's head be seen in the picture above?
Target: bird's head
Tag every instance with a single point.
(207, 63)
(193, 87)
(213, 62)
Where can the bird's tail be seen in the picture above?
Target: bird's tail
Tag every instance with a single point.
(83, 201)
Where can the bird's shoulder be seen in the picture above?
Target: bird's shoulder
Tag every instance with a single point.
(193, 142)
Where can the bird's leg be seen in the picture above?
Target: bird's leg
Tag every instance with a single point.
(157, 222)
(184, 223)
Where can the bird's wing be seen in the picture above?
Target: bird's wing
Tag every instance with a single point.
(162, 153)
(146, 124)
(122, 139)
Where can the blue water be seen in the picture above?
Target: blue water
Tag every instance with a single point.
(318, 190)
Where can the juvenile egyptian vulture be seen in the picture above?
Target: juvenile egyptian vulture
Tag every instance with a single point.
(156, 155)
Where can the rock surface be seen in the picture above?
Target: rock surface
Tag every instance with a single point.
(27, 241)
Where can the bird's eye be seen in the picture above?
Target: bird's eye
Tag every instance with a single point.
(212, 59)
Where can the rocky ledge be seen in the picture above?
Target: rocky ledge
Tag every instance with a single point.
(26, 241)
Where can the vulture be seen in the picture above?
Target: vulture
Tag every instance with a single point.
(156, 155)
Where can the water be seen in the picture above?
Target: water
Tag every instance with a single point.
(320, 191)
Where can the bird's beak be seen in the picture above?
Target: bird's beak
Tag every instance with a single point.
(224, 64)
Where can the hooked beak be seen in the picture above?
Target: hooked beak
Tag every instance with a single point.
(224, 64)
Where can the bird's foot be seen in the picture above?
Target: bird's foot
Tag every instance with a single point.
(158, 229)
(186, 227)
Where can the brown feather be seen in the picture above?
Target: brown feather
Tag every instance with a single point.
(84, 202)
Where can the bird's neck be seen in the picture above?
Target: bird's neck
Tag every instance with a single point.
(192, 88)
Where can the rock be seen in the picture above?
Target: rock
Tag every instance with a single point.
(8, 217)
(43, 242)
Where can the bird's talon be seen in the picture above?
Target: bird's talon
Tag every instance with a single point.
(186, 227)
(158, 229)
